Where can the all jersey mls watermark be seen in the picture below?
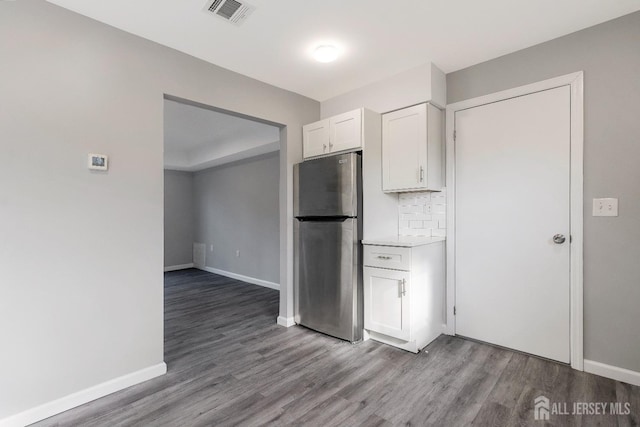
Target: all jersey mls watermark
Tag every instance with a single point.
(544, 409)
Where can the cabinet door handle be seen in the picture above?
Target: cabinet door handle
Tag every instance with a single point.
(324, 147)
(330, 146)
(403, 287)
(421, 174)
(384, 257)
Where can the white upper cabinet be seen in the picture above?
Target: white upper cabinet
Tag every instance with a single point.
(412, 149)
(335, 134)
(346, 131)
(315, 139)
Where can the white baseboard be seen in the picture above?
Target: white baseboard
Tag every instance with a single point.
(247, 279)
(287, 322)
(57, 406)
(446, 330)
(178, 267)
(613, 372)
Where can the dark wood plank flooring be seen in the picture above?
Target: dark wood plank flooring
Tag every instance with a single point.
(229, 364)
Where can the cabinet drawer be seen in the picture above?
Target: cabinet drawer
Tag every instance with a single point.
(391, 257)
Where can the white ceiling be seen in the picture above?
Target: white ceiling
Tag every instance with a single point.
(379, 38)
(197, 138)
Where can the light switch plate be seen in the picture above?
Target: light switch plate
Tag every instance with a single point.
(605, 207)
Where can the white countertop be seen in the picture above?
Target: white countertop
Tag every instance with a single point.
(403, 241)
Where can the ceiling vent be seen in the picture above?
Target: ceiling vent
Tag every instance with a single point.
(233, 11)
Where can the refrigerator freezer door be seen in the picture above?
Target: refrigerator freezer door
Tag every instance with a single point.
(328, 279)
(327, 186)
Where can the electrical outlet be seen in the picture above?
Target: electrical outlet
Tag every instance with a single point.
(605, 207)
(238, 252)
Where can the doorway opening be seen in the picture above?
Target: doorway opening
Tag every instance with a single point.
(221, 201)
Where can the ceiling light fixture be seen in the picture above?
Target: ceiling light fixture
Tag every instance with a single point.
(325, 53)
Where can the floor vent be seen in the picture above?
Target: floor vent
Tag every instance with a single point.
(233, 11)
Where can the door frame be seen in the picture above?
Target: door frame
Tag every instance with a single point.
(576, 83)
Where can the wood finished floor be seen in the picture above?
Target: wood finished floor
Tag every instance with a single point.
(230, 365)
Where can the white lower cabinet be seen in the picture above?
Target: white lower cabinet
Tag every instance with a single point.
(387, 294)
(404, 294)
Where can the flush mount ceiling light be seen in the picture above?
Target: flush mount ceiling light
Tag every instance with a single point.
(326, 53)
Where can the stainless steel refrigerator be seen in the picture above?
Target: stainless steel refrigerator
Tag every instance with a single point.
(327, 236)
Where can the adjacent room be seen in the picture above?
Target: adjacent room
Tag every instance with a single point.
(319, 213)
(221, 194)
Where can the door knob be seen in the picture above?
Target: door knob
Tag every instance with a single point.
(559, 239)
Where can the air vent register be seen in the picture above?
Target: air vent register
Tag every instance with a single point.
(232, 11)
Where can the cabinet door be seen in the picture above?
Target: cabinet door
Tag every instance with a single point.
(315, 139)
(346, 131)
(386, 302)
(404, 149)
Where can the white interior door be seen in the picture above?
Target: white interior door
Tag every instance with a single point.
(512, 195)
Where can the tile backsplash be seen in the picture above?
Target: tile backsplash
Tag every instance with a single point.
(422, 214)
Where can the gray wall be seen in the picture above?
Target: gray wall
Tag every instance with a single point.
(236, 208)
(411, 87)
(609, 54)
(178, 218)
(91, 310)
